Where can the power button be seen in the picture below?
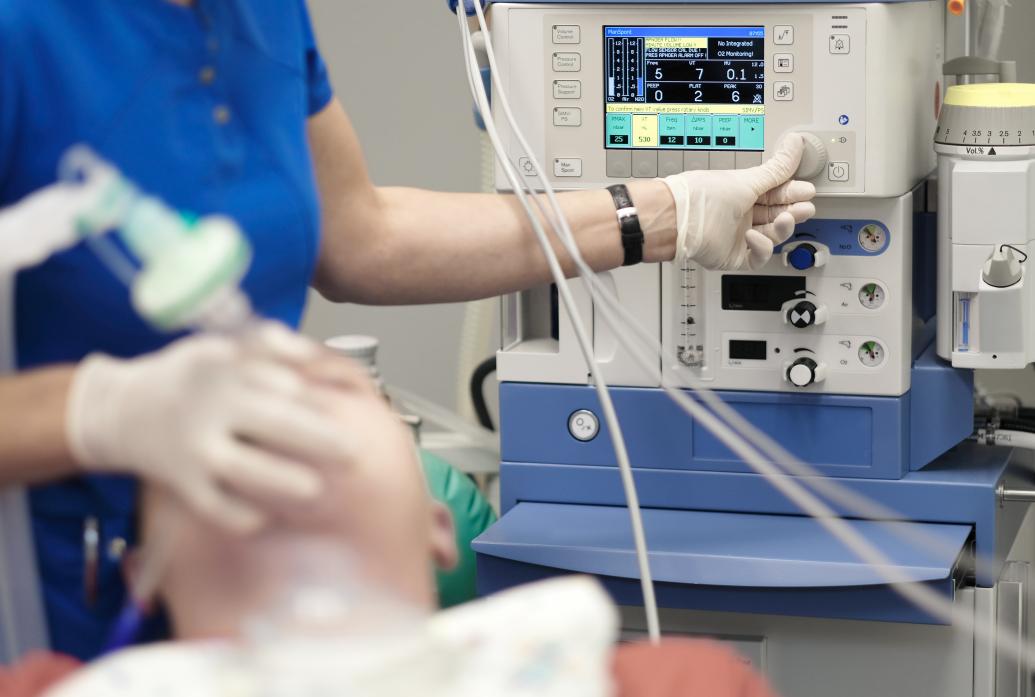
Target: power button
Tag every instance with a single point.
(839, 171)
(583, 425)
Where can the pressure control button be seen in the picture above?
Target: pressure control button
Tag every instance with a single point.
(567, 62)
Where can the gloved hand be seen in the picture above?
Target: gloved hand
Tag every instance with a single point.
(41, 224)
(732, 219)
(223, 422)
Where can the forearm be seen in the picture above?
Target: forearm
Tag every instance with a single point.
(437, 247)
(33, 445)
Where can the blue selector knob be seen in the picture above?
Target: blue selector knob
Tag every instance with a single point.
(802, 257)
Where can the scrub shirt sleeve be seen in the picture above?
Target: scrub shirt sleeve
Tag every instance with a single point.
(319, 84)
(8, 100)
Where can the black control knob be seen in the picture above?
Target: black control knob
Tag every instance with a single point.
(802, 314)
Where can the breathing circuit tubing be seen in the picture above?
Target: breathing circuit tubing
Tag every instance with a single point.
(759, 442)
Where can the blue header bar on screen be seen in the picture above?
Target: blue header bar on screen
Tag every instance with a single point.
(686, 32)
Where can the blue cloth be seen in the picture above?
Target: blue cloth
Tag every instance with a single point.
(205, 107)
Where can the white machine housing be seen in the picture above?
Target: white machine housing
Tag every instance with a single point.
(875, 109)
(874, 106)
(986, 201)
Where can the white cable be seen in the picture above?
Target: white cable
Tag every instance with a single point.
(1015, 439)
(919, 595)
(584, 341)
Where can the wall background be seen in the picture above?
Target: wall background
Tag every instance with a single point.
(424, 136)
(415, 121)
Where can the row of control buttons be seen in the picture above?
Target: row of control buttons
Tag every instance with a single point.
(840, 44)
(645, 164)
(565, 116)
(648, 164)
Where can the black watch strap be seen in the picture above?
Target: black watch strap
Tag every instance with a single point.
(629, 224)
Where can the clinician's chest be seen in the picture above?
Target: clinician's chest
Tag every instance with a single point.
(205, 109)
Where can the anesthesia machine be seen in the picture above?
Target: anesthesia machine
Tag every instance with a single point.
(851, 349)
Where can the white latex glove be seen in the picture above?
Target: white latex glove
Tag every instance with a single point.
(213, 418)
(40, 225)
(732, 219)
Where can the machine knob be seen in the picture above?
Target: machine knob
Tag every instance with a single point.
(802, 257)
(805, 371)
(815, 158)
(802, 314)
(806, 255)
(1003, 268)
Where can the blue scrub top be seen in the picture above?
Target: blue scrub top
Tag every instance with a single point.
(205, 107)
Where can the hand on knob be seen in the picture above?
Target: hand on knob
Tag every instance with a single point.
(732, 219)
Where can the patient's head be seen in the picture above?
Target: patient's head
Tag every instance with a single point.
(378, 507)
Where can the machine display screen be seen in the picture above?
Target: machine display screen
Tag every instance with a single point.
(760, 293)
(687, 88)
(741, 350)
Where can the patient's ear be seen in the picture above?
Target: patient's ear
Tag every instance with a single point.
(443, 537)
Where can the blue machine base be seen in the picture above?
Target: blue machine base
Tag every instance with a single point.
(726, 561)
(957, 492)
(840, 436)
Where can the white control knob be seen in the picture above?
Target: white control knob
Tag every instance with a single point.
(1003, 268)
(815, 158)
(806, 371)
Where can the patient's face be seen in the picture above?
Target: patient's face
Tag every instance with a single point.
(377, 506)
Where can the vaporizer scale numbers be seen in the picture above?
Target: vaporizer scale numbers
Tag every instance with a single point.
(871, 296)
(985, 137)
(871, 354)
(685, 87)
